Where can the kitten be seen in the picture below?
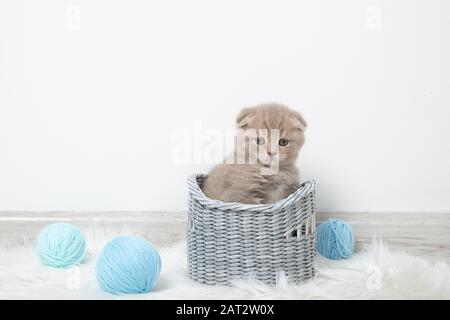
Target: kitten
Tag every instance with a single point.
(262, 168)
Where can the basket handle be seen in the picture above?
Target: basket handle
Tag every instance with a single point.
(304, 229)
(191, 223)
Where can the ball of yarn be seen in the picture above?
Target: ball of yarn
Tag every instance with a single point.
(128, 264)
(335, 239)
(61, 245)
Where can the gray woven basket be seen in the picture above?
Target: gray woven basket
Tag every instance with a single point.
(226, 241)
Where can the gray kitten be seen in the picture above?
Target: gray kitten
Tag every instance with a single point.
(263, 169)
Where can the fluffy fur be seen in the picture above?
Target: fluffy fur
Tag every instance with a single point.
(374, 273)
(260, 173)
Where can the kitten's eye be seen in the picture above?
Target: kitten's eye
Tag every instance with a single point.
(260, 141)
(283, 142)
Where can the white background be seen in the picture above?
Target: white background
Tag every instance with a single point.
(91, 93)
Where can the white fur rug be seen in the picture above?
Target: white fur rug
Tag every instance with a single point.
(375, 273)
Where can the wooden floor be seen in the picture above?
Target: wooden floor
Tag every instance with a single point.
(427, 235)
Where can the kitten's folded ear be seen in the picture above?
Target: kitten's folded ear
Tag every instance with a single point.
(298, 121)
(244, 117)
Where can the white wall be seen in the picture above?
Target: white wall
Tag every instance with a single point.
(91, 93)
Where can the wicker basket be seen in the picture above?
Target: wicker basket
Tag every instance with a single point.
(226, 241)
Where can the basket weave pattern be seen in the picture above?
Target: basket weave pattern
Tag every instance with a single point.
(233, 240)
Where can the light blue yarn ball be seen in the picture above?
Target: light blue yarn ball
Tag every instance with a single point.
(128, 264)
(61, 245)
(335, 239)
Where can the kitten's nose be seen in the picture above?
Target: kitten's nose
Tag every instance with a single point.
(270, 153)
